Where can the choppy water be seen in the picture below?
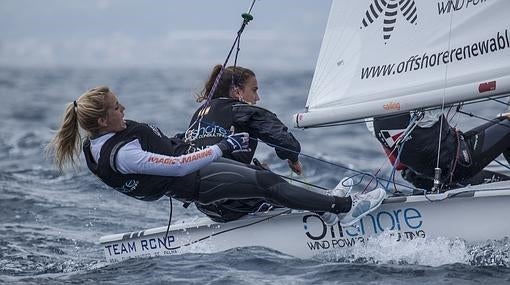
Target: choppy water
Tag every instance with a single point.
(51, 222)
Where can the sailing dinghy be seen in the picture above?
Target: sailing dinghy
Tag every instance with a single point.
(475, 213)
(378, 57)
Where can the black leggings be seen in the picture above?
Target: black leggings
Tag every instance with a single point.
(485, 143)
(228, 179)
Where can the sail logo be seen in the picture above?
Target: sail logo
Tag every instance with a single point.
(155, 130)
(391, 137)
(445, 7)
(389, 9)
(139, 246)
(487, 86)
(403, 223)
(392, 106)
(129, 186)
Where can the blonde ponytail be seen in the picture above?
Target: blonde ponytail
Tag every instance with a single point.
(84, 113)
(67, 140)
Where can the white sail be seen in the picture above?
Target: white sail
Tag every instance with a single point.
(385, 56)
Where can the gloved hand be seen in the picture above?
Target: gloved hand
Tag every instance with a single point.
(180, 136)
(237, 142)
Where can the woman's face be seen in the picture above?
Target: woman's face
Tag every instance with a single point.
(114, 119)
(248, 93)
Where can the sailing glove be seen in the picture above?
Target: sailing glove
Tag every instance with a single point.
(237, 142)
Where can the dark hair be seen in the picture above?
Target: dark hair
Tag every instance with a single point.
(233, 76)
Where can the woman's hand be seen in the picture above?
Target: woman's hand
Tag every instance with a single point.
(296, 166)
(236, 142)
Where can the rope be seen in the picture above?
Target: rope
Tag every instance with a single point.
(502, 164)
(359, 173)
(437, 170)
(227, 230)
(247, 17)
(169, 222)
(392, 176)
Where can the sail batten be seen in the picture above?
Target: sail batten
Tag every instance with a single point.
(409, 54)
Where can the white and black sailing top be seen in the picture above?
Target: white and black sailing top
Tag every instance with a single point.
(211, 124)
(143, 163)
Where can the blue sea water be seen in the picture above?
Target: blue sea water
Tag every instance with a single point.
(51, 222)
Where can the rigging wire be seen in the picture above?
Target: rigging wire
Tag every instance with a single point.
(168, 226)
(450, 117)
(502, 164)
(247, 17)
(391, 179)
(360, 174)
(481, 118)
(400, 143)
(283, 212)
(437, 171)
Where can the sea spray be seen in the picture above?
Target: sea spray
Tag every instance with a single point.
(386, 249)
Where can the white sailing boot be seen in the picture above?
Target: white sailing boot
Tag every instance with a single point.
(329, 219)
(341, 190)
(362, 205)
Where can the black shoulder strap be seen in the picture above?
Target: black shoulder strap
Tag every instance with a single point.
(115, 151)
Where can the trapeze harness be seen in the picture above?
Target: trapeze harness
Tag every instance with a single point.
(462, 155)
(221, 179)
(211, 124)
(160, 158)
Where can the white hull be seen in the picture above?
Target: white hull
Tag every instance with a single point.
(475, 213)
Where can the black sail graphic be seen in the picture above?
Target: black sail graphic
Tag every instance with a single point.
(389, 10)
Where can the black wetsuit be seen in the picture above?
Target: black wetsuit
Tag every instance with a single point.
(216, 121)
(462, 155)
(221, 179)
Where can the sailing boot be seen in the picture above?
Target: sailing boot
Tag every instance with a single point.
(362, 205)
(328, 218)
(341, 190)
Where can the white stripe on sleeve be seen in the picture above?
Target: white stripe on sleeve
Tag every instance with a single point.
(131, 159)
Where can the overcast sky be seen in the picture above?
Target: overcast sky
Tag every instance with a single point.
(159, 33)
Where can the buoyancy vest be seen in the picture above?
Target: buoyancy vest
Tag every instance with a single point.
(420, 150)
(141, 186)
(212, 124)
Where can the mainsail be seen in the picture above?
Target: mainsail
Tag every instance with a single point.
(380, 57)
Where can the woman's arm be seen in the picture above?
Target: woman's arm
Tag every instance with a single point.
(267, 127)
(131, 159)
